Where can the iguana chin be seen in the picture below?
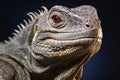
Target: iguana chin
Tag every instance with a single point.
(52, 45)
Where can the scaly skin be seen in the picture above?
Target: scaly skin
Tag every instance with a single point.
(53, 45)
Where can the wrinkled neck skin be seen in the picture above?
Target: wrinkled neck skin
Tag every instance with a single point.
(57, 68)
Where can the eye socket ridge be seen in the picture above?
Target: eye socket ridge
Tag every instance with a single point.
(57, 19)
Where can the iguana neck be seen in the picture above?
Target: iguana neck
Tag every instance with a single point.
(62, 68)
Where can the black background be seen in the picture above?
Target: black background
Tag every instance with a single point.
(105, 64)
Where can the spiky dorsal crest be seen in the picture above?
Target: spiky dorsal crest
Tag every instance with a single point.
(32, 16)
(36, 15)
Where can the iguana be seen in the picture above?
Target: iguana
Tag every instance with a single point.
(52, 45)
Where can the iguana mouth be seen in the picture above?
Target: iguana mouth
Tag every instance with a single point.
(68, 42)
(50, 37)
(71, 37)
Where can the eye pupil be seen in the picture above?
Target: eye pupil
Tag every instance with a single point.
(56, 19)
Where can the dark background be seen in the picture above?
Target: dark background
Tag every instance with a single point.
(105, 64)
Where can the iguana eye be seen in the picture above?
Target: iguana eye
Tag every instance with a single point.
(57, 20)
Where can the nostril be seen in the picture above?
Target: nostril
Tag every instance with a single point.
(87, 26)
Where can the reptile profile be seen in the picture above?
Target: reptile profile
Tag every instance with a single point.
(52, 45)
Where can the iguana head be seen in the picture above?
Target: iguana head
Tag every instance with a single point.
(65, 31)
(60, 41)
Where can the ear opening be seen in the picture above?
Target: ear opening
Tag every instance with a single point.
(33, 34)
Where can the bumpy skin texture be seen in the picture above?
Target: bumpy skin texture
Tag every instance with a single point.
(52, 45)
